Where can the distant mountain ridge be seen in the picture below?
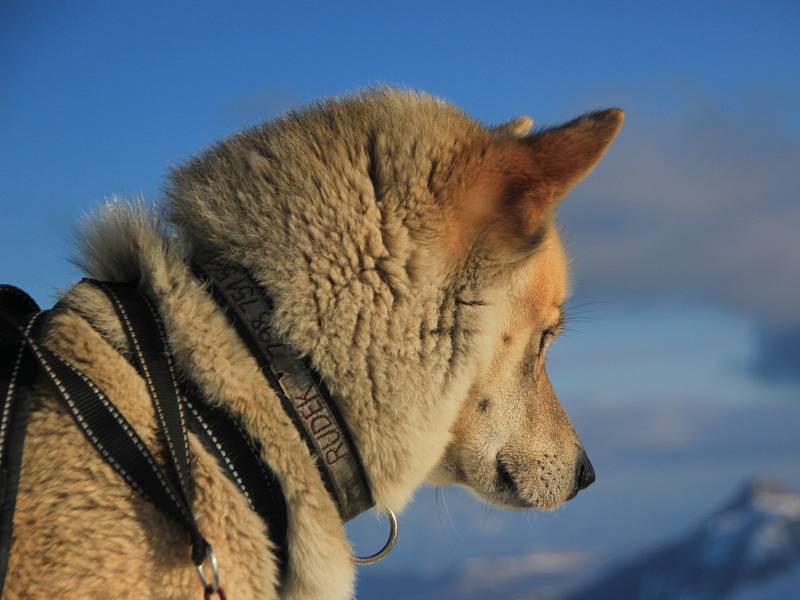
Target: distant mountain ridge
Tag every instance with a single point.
(539, 576)
(750, 548)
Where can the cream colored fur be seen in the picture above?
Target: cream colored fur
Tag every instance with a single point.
(347, 213)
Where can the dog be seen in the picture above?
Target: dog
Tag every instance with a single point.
(412, 257)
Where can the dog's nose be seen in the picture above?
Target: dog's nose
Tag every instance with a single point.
(584, 472)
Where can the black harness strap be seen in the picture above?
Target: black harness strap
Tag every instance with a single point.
(239, 455)
(103, 425)
(170, 488)
(17, 370)
(151, 356)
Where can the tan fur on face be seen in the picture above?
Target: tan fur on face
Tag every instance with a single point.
(399, 240)
(512, 414)
(513, 443)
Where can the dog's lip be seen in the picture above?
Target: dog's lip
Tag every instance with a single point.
(513, 500)
(507, 489)
(511, 497)
(505, 481)
(500, 496)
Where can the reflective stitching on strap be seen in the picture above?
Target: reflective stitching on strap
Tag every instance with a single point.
(244, 466)
(173, 379)
(221, 451)
(99, 420)
(186, 485)
(12, 384)
(114, 413)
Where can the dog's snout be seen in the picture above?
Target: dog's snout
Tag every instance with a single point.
(584, 472)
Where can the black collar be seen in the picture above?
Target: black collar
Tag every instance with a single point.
(302, 392)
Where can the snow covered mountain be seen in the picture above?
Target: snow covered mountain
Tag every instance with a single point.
(748, 550)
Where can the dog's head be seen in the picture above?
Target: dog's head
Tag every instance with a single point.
(513, 443)
(412, 255)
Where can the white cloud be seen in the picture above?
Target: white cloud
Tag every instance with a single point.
(702, 203)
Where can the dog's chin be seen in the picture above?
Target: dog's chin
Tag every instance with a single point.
(501, 491)
(512, 499)
(510, 491)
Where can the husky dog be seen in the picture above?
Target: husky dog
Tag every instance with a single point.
(412, 257)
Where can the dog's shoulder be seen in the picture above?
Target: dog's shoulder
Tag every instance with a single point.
(74, 511)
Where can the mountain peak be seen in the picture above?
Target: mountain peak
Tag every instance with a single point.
(768, 495)
(761, 484)
(752, 539)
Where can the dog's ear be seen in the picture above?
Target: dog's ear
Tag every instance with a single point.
(518, 181)
(519, 127)
(564, 155)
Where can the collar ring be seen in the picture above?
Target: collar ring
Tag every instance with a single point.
(387, 547)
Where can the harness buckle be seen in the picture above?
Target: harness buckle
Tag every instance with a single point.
(210, 587)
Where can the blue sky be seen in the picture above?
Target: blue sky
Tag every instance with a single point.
(682, 377)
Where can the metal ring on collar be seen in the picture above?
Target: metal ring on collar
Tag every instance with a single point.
(387, 547)
(211, 558)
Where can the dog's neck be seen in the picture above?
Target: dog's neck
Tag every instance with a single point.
(397, 380)
(395, 361)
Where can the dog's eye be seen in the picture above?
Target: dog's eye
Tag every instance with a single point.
(545, 339)
(550, 333)
(547, 335)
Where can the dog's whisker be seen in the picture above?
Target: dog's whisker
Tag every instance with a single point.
(491, 506)
(568, 329)
(440, 497)
(449, 517)
(588, 303)
(438, 507)
(583, 318)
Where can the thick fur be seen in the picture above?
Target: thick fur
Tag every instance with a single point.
(411, 255)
